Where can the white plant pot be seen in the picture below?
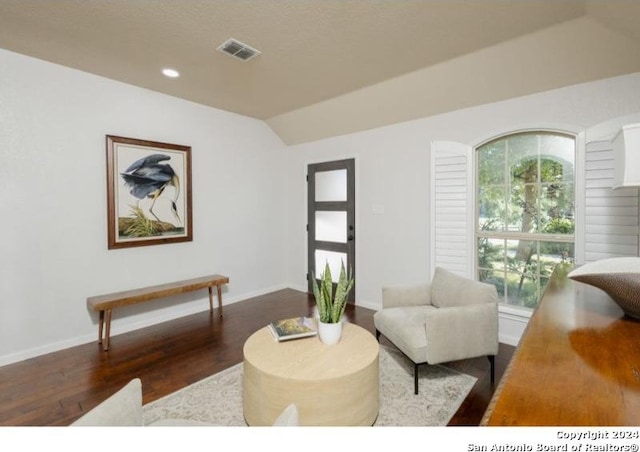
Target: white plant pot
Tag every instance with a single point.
(329, 333)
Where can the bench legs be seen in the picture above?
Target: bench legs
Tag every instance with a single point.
(219, 287)
(100, 324)
(107, 330)
(105, 324)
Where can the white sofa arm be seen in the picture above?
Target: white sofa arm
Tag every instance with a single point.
(123, 408)
(461, 332)
(407, 295)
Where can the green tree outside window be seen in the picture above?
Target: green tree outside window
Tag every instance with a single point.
(525, 212)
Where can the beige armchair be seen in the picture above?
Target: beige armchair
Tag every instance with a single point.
(450, 319)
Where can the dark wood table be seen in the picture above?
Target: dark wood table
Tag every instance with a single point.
(577, 364)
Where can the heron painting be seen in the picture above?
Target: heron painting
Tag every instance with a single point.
(147, 178)
(149, 192)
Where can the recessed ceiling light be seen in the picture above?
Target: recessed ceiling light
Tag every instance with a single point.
(171, 73)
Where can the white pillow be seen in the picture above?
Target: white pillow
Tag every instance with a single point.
(124, 408)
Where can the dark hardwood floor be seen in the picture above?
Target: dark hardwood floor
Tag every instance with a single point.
(57, 388)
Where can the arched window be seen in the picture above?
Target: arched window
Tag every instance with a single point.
(525, 201)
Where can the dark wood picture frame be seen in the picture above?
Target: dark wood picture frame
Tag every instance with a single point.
(148, 193)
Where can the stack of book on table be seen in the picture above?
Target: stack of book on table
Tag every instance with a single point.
(293, 328)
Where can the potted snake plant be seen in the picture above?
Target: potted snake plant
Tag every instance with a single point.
(331, 304)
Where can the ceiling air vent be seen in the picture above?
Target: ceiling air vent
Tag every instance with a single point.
(238, 50)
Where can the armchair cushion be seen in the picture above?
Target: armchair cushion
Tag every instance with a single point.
(407, 295)
(449, 289)
(404, 326)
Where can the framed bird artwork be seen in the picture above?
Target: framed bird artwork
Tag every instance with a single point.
(148, 193)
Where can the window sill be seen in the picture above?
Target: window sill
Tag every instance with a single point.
(515, 312)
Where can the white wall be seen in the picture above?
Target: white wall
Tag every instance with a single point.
(248, 196)
(53, 122)
(392, 169)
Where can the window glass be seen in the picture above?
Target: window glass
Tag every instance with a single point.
(331, 185)
(525, 212)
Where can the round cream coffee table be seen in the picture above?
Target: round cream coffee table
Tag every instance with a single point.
(331, 385)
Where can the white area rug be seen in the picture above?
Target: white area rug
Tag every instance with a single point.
(218, 399)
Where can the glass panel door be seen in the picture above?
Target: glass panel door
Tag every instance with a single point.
(331, 219)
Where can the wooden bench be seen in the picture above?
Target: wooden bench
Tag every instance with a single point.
(105, 303)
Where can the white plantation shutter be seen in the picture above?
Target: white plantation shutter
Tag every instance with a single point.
(611, 216)
(452, 208)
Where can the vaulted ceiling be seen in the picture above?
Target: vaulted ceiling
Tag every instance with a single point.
(330, 67)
